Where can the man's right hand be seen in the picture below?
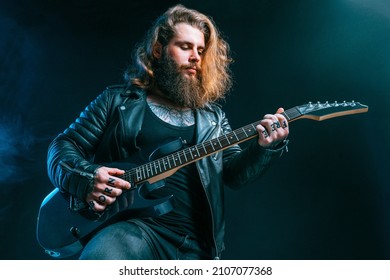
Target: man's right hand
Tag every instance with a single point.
(106, 188)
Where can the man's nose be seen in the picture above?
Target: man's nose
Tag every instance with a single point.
(194, 57)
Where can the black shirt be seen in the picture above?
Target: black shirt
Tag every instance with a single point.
(190, 214)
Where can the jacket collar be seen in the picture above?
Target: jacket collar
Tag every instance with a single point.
(133, 92)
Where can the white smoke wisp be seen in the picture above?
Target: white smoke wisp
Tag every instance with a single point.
(15, 144)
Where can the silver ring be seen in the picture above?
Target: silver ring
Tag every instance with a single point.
(91, 204)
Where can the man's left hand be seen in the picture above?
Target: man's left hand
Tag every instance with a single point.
(273, 129)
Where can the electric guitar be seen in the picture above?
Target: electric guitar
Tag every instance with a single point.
(65, 224)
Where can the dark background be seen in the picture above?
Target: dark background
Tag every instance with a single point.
(327, 198)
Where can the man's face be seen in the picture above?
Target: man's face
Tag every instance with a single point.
(178, 72)
(186, 48)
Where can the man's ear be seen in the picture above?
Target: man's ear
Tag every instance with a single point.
(157, 50)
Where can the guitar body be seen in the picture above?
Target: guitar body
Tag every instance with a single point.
(63, 230)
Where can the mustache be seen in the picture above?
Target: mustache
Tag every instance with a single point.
(191, 66)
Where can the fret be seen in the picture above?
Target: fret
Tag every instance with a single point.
(212, 144)
(197, 150)
(247, 130)
(204, 149)
(139, 174)
(173, 160)
(192, 150)
(184, 153)
(220, 145)
(174, 157)
(189, 150)
(183, 156)
(177, 158)
(151, 168)
(209, 147)
(155, 168)
(178, 155)
(165, 164)
(228, 138)
(243, 130)
(142, 175)
(147, 170)
(224, 140)
(234, 133)
(253, 125)
(161, 167)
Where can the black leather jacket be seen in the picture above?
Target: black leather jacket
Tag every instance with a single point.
(106, 131)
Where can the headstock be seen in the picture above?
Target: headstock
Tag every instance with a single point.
(322, 111)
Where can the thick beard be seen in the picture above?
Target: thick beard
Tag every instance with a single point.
(183, 91)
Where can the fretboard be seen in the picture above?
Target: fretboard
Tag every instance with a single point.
(194, 153)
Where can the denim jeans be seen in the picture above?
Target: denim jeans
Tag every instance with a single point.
(133, 240)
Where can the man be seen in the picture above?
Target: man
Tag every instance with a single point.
(181, 70)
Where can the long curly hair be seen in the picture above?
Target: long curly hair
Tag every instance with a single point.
(215, 71)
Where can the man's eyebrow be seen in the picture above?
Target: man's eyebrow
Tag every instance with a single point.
(184, 42)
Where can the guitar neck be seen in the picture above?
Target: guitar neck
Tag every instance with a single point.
(189, 155)
(176, 160)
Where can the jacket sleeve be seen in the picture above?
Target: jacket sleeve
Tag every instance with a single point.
(241, 166)
(70, 154)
